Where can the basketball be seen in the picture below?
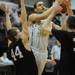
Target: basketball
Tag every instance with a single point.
(63, 5)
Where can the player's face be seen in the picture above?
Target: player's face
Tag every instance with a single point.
(40, 7)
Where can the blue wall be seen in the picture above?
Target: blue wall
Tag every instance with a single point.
(73, 4)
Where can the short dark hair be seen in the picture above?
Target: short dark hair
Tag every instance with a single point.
(35, 5)
(11, 34)
(71, 22)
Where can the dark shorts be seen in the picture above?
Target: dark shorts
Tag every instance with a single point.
(27, 65)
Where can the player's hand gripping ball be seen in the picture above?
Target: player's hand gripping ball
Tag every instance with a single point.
(63, 5)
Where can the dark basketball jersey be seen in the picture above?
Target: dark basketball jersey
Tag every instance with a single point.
(3, 42)
(3, 35)
(23, 59)
(67, 40)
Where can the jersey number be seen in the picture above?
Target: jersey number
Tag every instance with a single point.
(16, 53)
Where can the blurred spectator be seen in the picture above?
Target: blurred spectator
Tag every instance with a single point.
(55, 56)
(51, 42)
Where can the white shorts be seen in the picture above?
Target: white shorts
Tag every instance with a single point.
(40, 55)
(41, 59)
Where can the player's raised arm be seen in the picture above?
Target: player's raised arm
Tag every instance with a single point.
(8, 22)
(25, 34)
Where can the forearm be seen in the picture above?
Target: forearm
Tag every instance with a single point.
(24, 20)
(49, 24)
(69, 10)
(63, 21)
(50, 17)
(8, 22)
(23, 16)
(47, 13)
